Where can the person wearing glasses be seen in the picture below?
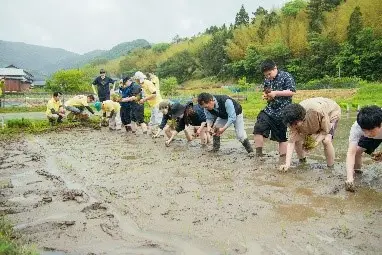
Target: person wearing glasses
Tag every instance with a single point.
(279, 87)
(101, 86)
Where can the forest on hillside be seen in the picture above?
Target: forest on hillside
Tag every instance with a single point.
(311, 39)
(320, 42)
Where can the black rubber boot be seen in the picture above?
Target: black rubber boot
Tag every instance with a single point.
(247, 145)
(215, 143)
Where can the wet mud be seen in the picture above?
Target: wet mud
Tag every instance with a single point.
(103, 192)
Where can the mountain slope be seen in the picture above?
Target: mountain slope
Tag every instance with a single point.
(43, 61)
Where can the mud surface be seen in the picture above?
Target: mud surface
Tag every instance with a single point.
(102, 192)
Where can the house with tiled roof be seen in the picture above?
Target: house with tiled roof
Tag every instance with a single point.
(16, 79)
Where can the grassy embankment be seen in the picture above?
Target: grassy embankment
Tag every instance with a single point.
(17, 127)
(367, 94)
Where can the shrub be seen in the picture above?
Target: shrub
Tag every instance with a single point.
(168, 86)
(333, 83)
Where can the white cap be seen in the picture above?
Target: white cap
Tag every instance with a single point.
(139, 76)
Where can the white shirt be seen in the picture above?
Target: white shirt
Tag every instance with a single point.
(356, 133)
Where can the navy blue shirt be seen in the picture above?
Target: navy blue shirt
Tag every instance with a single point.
(103, 87)
(282, 81)
(133, 90)
(196, 119)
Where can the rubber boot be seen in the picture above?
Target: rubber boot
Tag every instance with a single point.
(215, 144)
(247, 145)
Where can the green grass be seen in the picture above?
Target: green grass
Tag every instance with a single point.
(16, 127)
(366, 94)
(38, 108)
(9, 244)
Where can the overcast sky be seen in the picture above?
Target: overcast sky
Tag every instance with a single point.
(84, 25)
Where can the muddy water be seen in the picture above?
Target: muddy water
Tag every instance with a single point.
(107, 192)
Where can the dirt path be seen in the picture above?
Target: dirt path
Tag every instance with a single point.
(101, 192)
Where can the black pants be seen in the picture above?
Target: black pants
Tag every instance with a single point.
(126, 113)
(137, 113)
(104, 98)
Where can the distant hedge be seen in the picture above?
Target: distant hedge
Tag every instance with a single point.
(333, 83)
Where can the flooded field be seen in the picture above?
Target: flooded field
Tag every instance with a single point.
(102, 192)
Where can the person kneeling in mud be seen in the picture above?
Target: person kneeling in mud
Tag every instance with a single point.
(131, 109)
(192, 120)
(312, 121)
(221, 112)
(77, 104)
(365, 136)
(54, 109)
(110, 109)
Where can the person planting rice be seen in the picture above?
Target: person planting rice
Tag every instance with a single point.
(152, 96)
(190, 118)
(77, 104)
(312, 121)
(221, 112)
(55, 111)
(131, 109)
(110, 109)
(365, 136)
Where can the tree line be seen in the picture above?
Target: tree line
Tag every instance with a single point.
(311, 39)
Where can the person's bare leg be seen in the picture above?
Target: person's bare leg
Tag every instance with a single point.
(133, 126)
(208, 135)
(167, 131)
(259, 141)
(283, 148)
(188, 134)
(259, 144)
(299, 150)
(329, 150)
(203, 137)
(144, 127)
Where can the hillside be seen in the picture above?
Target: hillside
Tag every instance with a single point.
(42, 61)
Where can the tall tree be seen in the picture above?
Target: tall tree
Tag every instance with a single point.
(260, 11)
(242, 17)
(290, 11)
(213, 57)
(316, 9)
(355, 25)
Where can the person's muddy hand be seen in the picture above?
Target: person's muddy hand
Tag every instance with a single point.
(265, 96)
(219, 131)
(349, 186)
(283, 168)
(167, 143)
(157, 134)
(376, 156)
(142, 101)
(271, 95)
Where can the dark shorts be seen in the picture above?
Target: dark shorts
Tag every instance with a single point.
(266, 125)
(369, 144)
